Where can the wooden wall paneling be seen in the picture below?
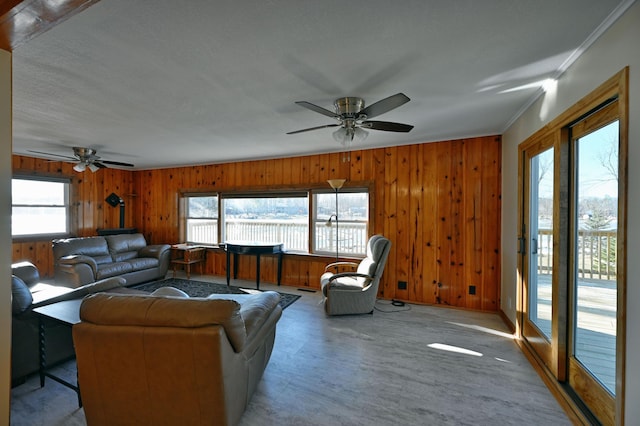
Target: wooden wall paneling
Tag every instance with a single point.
(290, 270)
(17, 253)
(138, 198)
(491, 194)
(443, 225)
(390, 218)
(415, 230)
(258, 175)
(429, 221)
(98, 201)
(324, 168)
(457, 174)
(356, 166)
(473, 259)
(111, 215)
(313, 170)
(403, 233)
(311, 279)
(291, 175)
(151, 194)
(85, 205)
(43, 256)
(376, 216)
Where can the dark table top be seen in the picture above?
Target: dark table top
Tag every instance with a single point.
(66, 312)
(253, 247)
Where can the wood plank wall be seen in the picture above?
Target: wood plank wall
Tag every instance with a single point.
(439, 203)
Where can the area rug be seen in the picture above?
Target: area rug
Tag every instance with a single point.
(204, 289)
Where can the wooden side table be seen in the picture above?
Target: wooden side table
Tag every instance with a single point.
(187, 255)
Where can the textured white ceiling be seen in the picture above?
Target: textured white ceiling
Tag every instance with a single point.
(163, 83)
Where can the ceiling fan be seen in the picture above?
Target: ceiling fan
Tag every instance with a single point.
(86, 158)
(353, 117)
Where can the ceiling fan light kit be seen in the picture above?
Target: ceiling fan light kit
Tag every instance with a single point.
(353, 117)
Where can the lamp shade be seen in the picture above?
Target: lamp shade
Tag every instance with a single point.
(336, 183)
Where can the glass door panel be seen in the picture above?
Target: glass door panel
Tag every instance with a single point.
(594, 316)
(537, 249)
(541, 241)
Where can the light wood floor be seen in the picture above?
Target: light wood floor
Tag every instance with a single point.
(411, 365)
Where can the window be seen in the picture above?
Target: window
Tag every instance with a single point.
(274, 218)
(202, 219)
(282, 216)
(349, 231)
(40, 206)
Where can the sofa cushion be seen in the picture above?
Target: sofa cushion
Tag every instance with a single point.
(150, 311)
(95, 247)
(140, 263)
(125, 246)
(107, 270)
(21, 297)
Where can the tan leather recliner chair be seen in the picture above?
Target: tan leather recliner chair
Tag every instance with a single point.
(149, 360)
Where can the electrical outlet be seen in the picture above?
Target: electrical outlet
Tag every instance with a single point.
(402, 285)
(472, 289)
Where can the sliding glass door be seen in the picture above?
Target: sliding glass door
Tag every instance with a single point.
(594, 260)
(572, 250)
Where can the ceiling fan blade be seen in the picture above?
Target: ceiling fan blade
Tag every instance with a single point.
(384, 105)
(54, 155)
(313, 128)
(318, 109)
(117, 163)
(98, 164)
(386, 126)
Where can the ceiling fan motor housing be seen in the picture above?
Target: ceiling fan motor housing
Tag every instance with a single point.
(349, 107)
(84, 154)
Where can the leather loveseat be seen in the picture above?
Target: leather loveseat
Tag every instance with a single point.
(172, 360)
(79, 261)
(27, 293)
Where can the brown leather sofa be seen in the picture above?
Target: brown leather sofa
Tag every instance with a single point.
(28, 293)
(172, 360)
(79, 261)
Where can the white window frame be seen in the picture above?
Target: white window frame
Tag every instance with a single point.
(43, 204)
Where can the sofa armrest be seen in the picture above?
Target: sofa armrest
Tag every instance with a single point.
(154, 250)
(79, 292)
(75, 259)
(27, 272)
(256, 309)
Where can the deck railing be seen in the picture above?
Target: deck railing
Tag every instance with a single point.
(596, 253)
(352, 236)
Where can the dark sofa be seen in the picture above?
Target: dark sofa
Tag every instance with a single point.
(79, 261)
(28, 293)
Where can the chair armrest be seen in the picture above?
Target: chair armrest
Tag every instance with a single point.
(154, 250)
(75, 259)
(367, 278)
(341, 265)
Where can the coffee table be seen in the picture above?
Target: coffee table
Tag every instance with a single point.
(66, 312)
